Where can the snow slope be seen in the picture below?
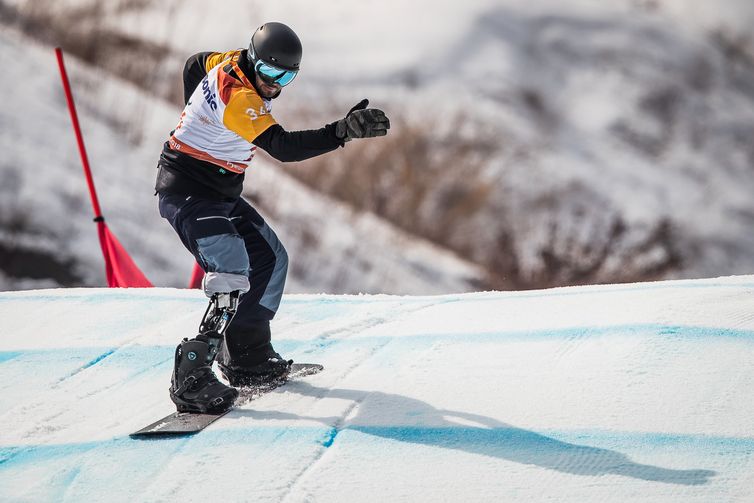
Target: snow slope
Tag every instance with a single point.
(620, 131)
(588, 394)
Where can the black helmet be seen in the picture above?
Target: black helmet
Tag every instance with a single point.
(277, 45)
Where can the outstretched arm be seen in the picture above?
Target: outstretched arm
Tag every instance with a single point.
(290, 146)
(287, 146)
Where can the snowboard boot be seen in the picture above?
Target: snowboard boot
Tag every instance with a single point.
(194, 386)
(248, 359)
(273, 369)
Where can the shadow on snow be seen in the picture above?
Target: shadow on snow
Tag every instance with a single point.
(451, 430)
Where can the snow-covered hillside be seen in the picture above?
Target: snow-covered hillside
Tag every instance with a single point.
(47, 237)
(616, 134)
(589, 394)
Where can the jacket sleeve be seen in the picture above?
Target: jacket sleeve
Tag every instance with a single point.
(289, 146)
(197, 66)
(193, 72)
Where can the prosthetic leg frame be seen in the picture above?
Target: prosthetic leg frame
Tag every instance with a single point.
(194, 387)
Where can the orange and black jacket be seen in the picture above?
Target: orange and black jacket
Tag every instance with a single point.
(189, 171)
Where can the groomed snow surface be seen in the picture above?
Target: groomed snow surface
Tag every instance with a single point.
(637, 392)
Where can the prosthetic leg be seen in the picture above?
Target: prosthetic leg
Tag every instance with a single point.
(194, 386)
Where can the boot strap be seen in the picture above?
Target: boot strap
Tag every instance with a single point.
(192, 378)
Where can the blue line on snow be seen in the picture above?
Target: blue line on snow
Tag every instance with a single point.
(319, 346)
(88, 364)
(98, 359)
(330, 437)
(486, 441)
(8, 355)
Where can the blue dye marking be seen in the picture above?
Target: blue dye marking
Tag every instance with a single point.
(330, 437)
(8, 355)
(548, 448)
(88, 364)
(293, 347)
(319, 345)
(648, 329)
(99, 358)
(6, 454)
(562, 439)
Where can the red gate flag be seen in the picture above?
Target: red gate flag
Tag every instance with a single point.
(120, 269)
(196, 276)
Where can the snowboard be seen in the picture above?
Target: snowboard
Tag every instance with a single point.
(189, 423)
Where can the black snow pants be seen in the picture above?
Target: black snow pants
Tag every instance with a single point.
(232, 237)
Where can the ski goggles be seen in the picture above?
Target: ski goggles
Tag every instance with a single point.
(271, 74)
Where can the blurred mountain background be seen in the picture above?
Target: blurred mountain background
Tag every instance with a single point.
(534, 144)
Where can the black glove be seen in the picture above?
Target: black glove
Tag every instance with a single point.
(362, 122)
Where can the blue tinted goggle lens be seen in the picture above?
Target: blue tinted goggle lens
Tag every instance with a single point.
(272, 74)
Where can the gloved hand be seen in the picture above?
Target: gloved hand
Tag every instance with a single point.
(362, 122)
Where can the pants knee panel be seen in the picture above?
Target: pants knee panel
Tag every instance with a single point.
(224, 253)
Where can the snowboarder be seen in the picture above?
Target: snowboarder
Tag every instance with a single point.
(227, 116)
